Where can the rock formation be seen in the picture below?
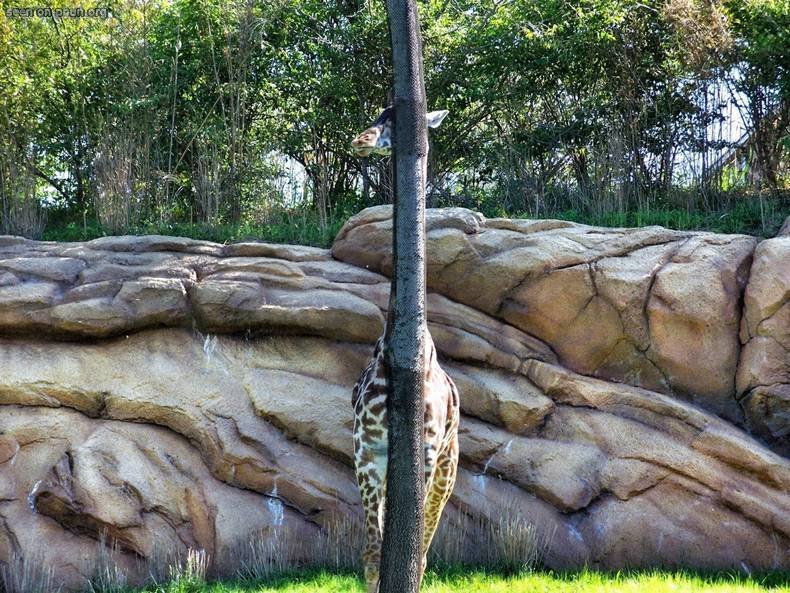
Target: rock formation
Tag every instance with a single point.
(624, 390)
(763, 376)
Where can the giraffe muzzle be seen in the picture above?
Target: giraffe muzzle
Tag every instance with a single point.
(365, 143)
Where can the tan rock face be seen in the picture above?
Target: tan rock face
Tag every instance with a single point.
(763, 378)
(176, 394)
(631, 305)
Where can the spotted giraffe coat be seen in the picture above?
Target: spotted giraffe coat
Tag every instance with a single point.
(440, 436)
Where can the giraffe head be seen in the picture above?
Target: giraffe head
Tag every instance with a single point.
(378, 137)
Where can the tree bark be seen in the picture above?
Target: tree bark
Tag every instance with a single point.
(365, 182)
(401, 562)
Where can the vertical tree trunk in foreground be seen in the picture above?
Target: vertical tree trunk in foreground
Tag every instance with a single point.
(401, 562)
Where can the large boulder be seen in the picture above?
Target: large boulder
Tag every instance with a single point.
(763, 378)
(651, 307)
(166, 394)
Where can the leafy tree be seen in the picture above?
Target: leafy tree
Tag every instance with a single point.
(182, 111)
(761, 59)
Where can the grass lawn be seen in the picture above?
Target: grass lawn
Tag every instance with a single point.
(539, 582)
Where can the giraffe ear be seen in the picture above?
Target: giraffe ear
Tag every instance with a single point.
(434, 118)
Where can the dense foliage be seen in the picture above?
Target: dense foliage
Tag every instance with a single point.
(195, 112)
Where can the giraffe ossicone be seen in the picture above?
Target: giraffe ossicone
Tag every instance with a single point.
(369, 400)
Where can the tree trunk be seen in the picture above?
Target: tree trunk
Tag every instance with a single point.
(401, 562)
(365, 182)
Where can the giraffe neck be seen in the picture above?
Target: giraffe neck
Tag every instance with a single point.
(390, 308)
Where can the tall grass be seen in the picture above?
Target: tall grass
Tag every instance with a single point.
(722, 212)
(335, 547)
(507, 543)
(189, 575)
(107, 576)
(28, 574)
(299, 229)
(267, 553)
(171, 569)
(761, 216)
(338, 546)
(752, 217)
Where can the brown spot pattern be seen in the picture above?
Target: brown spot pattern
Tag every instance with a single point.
(370, 449)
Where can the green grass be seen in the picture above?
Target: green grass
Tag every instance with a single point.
(457, 581)
(750, 216)
(302, 231)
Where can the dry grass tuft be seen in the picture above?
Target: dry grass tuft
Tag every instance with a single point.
(336, 547)
(28, 574)
(266, 553)
(157, 566)
(507, 543)
(189, 572)
(514, 545)
(339, 545)
(107, 576)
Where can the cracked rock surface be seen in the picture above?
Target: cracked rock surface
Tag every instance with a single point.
(629, 305)
(624, 390)
(763, 379)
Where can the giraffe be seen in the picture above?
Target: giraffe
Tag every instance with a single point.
(369, 400)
